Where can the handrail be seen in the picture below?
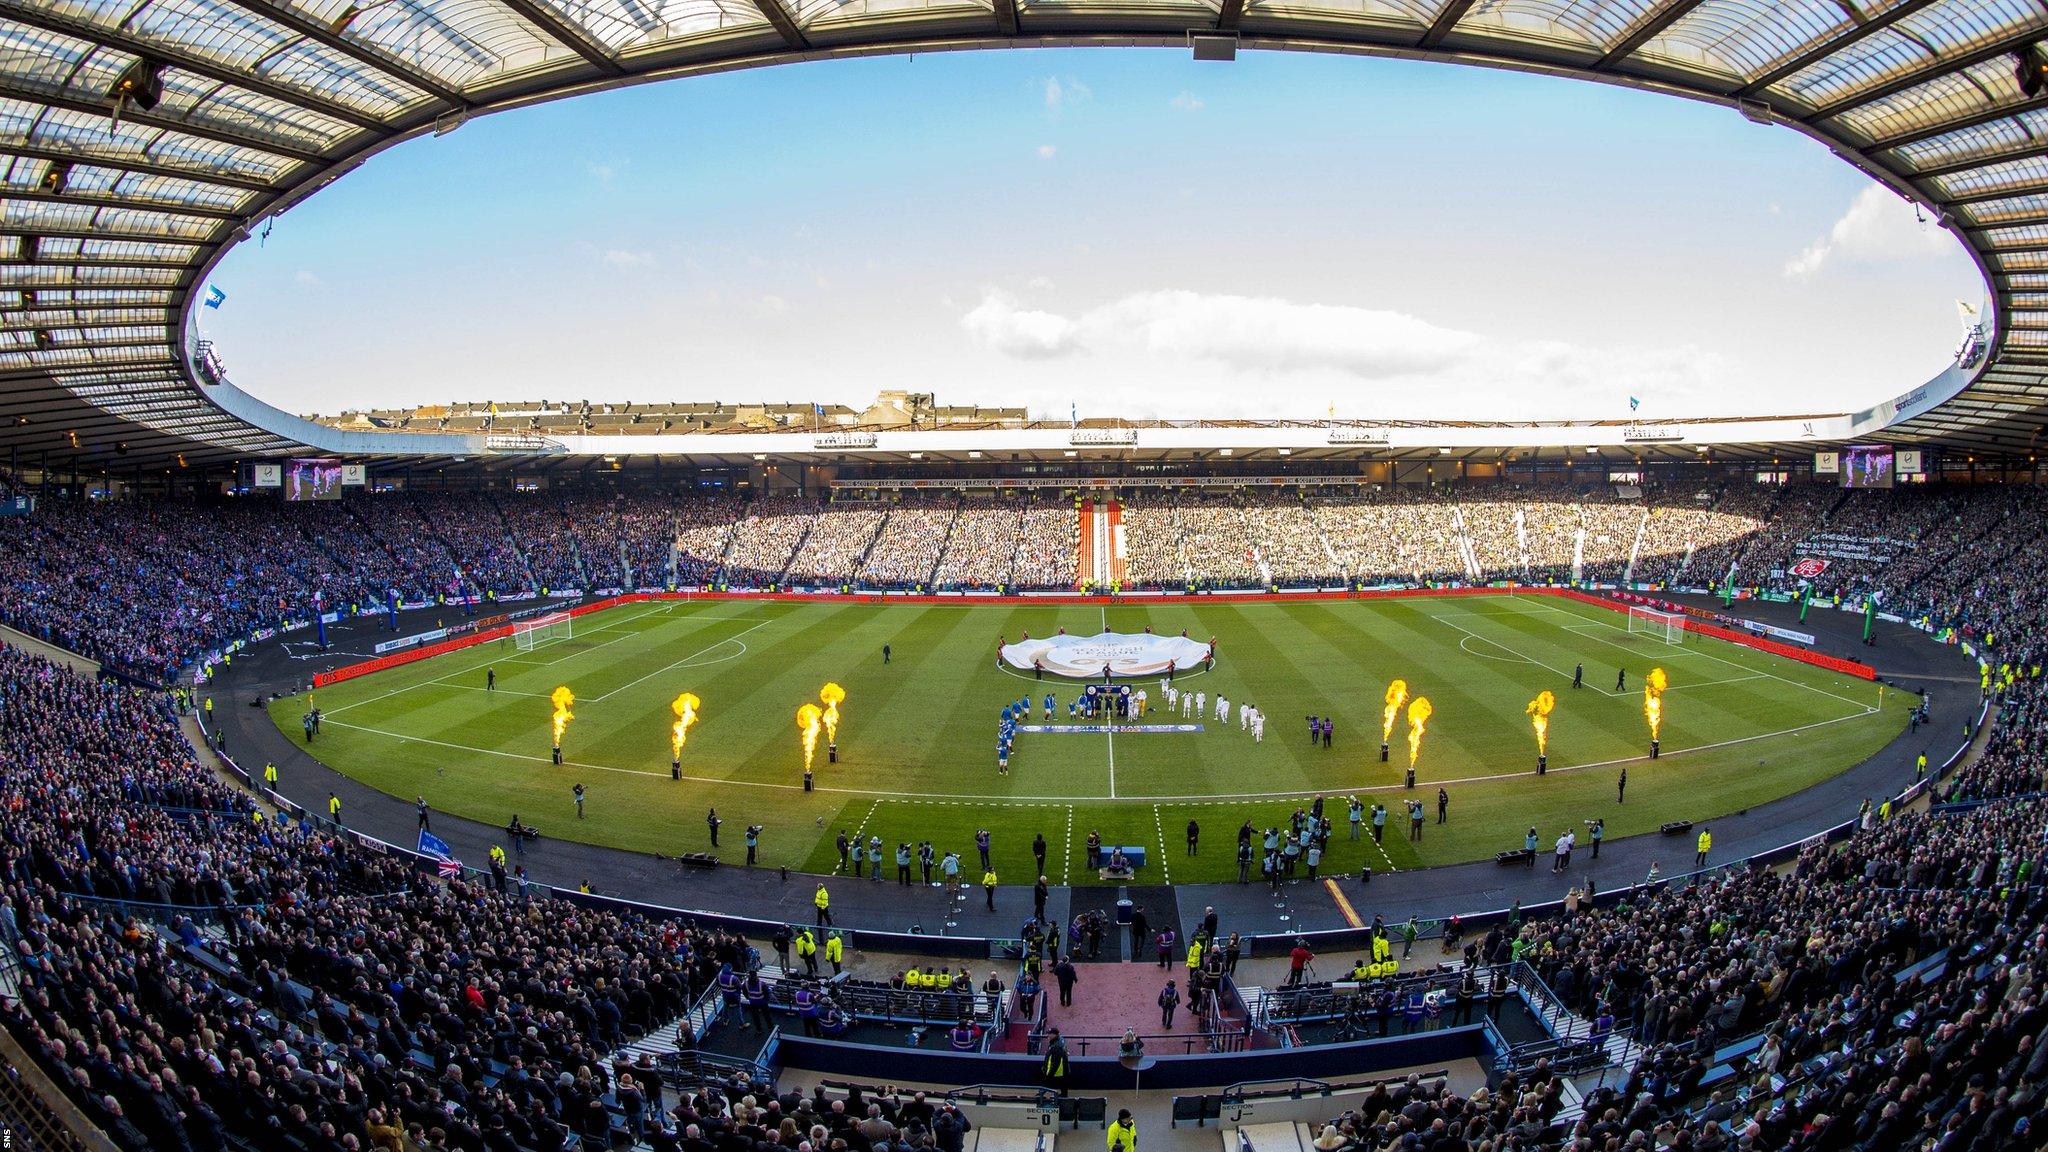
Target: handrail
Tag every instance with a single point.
(1233, 1041)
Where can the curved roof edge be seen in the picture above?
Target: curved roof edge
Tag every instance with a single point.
(112, 216)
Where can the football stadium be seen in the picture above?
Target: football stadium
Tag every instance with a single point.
(1277, 578)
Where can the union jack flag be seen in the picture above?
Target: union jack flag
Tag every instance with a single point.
(450, 868)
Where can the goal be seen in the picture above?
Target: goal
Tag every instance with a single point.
(530, 634)
(1666, 626)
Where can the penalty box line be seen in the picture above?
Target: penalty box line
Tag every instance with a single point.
(1448, 623)
(490, 657)
(1867, 709)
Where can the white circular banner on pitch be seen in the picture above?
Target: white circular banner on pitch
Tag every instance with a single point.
(1126, 655)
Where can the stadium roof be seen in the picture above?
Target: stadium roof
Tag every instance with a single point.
(141, 138)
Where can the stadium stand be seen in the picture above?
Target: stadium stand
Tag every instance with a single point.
(296, 989)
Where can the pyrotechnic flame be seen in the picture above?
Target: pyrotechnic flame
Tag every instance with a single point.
(833, 695)
(685, 707)
(1397, 695)
(562, 698)
(1539, 718)
(1418, 720)
(1653, 699)
(808, 720)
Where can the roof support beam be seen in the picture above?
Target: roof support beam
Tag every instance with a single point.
(1231, 15)
(2019, 221)
(1447, 18)
(1827, 46)
(570, 35)
(141, 167)
(361, 53)
(132, 204)
(1648, 30)
(185, 61)
(2020, 151)
(1923, 74)
(1006, 17)
(2030, 189)
(1974, 119)
(784, 23)
(53, 232)
(165, 123)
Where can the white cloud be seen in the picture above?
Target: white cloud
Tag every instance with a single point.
(1062, 92)
(623, 258)
(309, 279)
(1039, 283)
(1188, 102)
(1879, 227)
(998, 323)
(1047, 151)
(602, 173)
(1268, 332)
(1413, 366)
(1247, 332)
(770, 303)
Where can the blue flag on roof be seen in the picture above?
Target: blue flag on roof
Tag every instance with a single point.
(432, 845)
(215, 297)
(818, 408)
(1634, 403)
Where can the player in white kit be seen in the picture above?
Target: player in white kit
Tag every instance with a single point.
(1201, 703)
(1222, 709)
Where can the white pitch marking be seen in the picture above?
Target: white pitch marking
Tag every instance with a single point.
(685, 661)
(1056, 801)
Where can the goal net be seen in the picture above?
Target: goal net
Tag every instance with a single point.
(1666, 626)
(530, 634)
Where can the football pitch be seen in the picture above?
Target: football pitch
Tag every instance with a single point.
(917, 737)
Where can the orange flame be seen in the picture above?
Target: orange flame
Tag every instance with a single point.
(808, 719)
(1418, 719)
(562, 698)
(1653, 699)
(1539, 718)
(1397, 695)
(685, 707)
(833, 695)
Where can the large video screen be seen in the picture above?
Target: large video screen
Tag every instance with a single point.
(312, 480)
(1867, 467)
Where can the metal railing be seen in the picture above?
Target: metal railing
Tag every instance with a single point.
(1157, 1044)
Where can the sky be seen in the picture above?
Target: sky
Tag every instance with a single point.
(1122, 232)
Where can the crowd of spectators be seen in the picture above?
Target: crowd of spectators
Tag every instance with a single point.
(837, 544)
(1048, 545)
(350, 1000)
(1153, 554)
(343, 999)
(766, 537)
(907, 552)
(149, 586)
(1291, 549)
(982, 548)
(704, 528)
(1392, 535)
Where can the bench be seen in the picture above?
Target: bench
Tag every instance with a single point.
(697, 860)
(1517, 856)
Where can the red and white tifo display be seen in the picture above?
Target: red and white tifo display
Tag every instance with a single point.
(1125, 654)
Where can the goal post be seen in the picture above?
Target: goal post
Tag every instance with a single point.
(1668, 627)
(530, 634)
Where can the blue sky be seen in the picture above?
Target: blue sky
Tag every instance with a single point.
(1125, 229)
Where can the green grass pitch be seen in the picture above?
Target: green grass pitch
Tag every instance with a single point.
(917, 740)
